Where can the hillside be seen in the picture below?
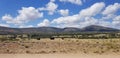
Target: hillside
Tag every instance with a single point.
(50, 30)
(98, 29)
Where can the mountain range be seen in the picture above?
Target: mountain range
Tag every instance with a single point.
(50, 30)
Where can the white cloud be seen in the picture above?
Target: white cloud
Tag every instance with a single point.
(26, 26)
(88, 21)
(108, 17)
(111, 9)
(25, 15)
(8, 18)
(84, 18)
(64, 12)
(116, 20)
(93, 10)
(104, 23)
(78, 2)
(66, 20)
(45, 22)
(5, 25)
(50, 7)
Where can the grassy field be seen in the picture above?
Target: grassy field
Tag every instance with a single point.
(59, 46)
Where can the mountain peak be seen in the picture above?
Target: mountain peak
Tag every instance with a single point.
(49, 30)
(94, 26)
(98, 28)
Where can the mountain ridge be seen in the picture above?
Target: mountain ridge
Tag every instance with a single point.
(49, 30)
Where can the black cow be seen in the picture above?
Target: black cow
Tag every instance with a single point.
(52, 38)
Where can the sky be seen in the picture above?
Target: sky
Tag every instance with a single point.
(59, 13)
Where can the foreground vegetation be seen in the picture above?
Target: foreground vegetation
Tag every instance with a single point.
(68, 45)
(83, 35)
(88, 43)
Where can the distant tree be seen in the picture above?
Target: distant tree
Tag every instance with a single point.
(29, 36)
(38, 38)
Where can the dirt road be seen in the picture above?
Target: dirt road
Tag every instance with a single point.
(56, 56)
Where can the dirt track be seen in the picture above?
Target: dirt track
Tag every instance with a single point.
(56, 56)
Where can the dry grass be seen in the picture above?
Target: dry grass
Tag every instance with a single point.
(47, 46)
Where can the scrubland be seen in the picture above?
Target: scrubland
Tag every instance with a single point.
(59, 46)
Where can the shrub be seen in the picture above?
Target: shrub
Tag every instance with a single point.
(27, 51)
(26, 46)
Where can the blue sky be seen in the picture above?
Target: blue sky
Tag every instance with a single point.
(59, 13)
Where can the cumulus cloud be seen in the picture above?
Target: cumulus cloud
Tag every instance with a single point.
(8, 18)
(77, 2)
(93, 10)
(84, 18)
(88, 21)
(111, 9)
(64, 12)
(45, 22)
(5, 25)
(50, 7)
(116, 20)
(66, 20)
(108, 17)
(25, 15)
(24, 26)
(104, 23)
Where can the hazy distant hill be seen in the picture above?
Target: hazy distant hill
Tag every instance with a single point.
(98, 29)
(7, 30)
(92, 28)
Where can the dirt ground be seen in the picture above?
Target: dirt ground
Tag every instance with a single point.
(56, 56)
(59, 46)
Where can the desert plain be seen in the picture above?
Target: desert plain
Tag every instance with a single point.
(59, 48)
